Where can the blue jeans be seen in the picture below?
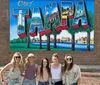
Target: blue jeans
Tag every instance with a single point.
(43, 83)
(29, 82)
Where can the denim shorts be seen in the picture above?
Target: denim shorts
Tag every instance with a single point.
(13, 82)
(29, 82)
(43, 83)
(74, 84)
(56, 82)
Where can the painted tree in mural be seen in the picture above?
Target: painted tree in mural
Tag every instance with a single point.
(72, 31)
(54, 32)
(46, 26)
(90, 19)
(20, 27)
(28, 22)
(80, 23)
(88, 30)
(27, 26)
(91, 28)
(52, 22)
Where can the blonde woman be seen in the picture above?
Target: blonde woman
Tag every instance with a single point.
(14, 67)
(31, 69)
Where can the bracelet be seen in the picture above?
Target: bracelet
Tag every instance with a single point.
(2, 80)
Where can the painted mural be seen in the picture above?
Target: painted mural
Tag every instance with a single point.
(64, 25)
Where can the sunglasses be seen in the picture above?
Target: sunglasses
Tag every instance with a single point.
(69, 59)
(17, 57)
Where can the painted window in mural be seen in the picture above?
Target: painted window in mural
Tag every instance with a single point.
(52, 25)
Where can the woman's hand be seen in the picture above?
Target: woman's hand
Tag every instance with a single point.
(78, 82)
(67, 72)
(2, 82)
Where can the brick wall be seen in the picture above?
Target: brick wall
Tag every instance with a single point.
(79, 56)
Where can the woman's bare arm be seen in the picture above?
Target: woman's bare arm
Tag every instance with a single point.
(4, 69)
(78, 82)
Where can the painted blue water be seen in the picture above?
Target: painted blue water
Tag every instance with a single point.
(82, 47)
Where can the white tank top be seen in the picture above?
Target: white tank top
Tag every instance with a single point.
(56, 72)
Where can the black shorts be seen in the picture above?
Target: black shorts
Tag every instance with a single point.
(58, 83)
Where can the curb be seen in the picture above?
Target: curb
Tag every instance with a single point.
(89, 74)
(90, 68)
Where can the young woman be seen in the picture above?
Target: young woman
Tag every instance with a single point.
(71, 72)
(14, 68)
(44, 72)
(31, 69)
(56, 70)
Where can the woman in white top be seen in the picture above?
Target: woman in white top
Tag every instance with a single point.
(56, 70)
(71, 72)
(15, 69)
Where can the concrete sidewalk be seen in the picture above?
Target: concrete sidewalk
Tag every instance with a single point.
(90, 74)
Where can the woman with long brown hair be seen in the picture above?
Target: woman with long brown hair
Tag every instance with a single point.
(15, 69)
(44, 72)
(71, 72)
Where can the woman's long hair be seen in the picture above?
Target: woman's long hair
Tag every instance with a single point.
(65, 66)
(27, 63)
(47, 67)
(13, 61)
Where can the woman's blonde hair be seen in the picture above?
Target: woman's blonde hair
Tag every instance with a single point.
(27, 60)
(13, 62)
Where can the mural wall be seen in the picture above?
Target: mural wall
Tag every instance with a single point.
(52, 25)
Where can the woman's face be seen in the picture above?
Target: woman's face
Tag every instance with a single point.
(68, 59)
(45, 62)
(31, 59)
(54, 59)
(17, 58)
